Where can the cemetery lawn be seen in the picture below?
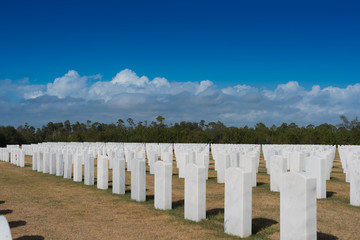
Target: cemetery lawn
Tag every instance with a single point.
(43, 206)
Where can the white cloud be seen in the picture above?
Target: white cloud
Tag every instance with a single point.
(20, 89)
(314, 90)
(128, 95)
(204, 85)
(32, 95)
(69, 85)
(343, 93)
(284, 91)
(128, 78)
(239, 90)
(126, 81)
(160, 82)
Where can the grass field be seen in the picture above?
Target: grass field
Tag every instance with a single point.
(42, 206)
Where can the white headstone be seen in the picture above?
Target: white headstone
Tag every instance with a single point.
(298, 206)
(238, 202)
(163, 185)
(355, 182)
(317, 169)
(118, 181)
(59, 164)
(111, 159)
(78, 168)
(52, 163)
(21, 158)
(249, 163)
(347, 175)
(130, 156)
(183, 160)
(223, 163)
(297, 160)
(6, 159)
(235, 159)
(167, 157)
(138, 180)
(203, 160)
(68, 165)
(152, 157)
(85, 154)
(277, 169)
(89, 170)
(270, 153)
(133, 179)
(102, 172)
(5, 233)
(34, 160)
(195, 192)
(45, 162)
(40, 162)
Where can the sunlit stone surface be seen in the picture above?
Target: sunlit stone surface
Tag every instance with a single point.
(118, 181)
(34, 160)
(195, 192)
(89, 170)
(223, 163)
(238, 202)
(138, 180)
(78, 168)
(102, 172)
(277, 168)
(298, 206)
(5, 233)
(59, 164)
(52, 163)
(317, 169)
(355, 182)
(163, 185)
(68, 165)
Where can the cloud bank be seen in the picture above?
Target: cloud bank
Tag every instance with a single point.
(81, 98)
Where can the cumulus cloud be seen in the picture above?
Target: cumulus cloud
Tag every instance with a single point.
(79, 98)
(203, 86)
(70, 85)
(128, 78)
(160, 82)
(284, 91)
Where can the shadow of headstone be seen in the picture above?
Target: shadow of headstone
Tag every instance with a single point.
(150, 197)
(6, 211)
(214, 212)
(325, 236)
(260, 223)
(177, 204)
(14, 224)
(33, 237)
(329, 194)
(260, 183)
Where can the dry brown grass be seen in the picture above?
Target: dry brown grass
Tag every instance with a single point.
(42, 206)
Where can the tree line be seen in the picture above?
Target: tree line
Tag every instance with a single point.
(347, 132)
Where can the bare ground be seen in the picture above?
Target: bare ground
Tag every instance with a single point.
(42, 206)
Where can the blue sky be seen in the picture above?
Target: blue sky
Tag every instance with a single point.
(249, 57)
